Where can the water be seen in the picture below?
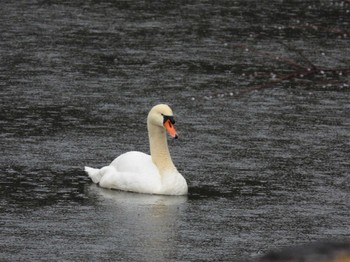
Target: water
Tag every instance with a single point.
(267, 164)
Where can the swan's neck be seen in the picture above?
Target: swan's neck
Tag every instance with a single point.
(159, 149)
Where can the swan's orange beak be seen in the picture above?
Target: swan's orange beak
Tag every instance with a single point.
(170, 128)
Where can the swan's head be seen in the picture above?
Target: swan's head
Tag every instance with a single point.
(161, 115)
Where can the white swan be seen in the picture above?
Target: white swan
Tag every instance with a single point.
(138, 172)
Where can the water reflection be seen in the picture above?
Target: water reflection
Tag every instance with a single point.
(145, 226)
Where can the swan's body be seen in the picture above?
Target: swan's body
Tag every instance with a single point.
(138, 172)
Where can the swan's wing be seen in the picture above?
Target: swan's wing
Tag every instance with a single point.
(132, 171)
(129, 181)
(135, 162)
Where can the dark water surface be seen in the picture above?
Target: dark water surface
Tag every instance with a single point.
(260, 90)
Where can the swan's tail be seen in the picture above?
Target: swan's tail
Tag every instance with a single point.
(94, 174)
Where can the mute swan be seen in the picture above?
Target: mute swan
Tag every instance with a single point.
(138, 172)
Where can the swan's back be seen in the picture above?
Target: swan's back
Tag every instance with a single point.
(134, 162)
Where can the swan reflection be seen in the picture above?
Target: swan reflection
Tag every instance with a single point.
(147, 226)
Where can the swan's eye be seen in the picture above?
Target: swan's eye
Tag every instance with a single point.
(170, 118)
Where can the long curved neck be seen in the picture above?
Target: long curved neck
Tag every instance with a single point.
(159, 148)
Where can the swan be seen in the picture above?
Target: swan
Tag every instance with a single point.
(142, 173)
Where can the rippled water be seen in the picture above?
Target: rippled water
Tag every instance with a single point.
(267, 161)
